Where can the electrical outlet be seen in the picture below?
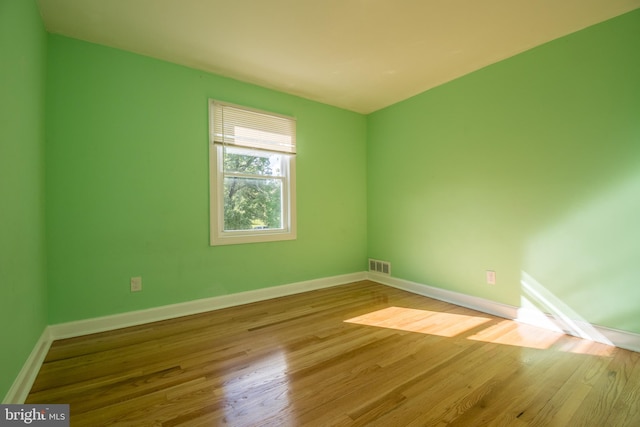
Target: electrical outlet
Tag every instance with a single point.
(136, 284)
(491, 277)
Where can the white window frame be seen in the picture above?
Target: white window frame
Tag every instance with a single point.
(218, 235)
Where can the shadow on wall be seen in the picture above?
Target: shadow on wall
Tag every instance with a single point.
(589, 259)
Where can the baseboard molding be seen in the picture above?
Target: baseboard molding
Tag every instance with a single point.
(622, 339)
(133, 318)
(463, 300)
(24, 381)
(22, 384)
(618, 338)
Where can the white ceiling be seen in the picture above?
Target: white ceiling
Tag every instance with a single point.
(361, 55)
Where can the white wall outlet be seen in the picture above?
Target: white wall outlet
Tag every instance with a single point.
(136, 284)
(491, 277)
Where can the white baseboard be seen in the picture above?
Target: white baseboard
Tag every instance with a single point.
(622, 339)
(133, 318)
(463, 300)
(24, 381)
(22, 384)
(618, 338)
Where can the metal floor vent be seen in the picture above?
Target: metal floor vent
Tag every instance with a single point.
(378, 266)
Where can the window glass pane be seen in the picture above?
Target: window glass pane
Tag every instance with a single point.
(252, 203)
(252, 162)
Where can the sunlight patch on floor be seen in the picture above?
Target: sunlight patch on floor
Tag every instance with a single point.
(505, 332)
(509, 332)
(423, 321)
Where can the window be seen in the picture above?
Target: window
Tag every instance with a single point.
(252, 175)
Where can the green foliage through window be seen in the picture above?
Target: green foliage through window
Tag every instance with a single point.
(252, 190)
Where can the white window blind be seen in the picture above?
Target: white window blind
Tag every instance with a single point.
(243, 127)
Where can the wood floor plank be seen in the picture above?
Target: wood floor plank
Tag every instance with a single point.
(361, 354)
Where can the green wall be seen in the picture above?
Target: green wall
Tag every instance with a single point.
(128, 193)
(22, 236)
(529, 167)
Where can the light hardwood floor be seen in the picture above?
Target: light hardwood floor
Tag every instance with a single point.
(358, 354)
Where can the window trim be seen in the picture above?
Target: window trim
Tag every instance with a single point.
(218, 236)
